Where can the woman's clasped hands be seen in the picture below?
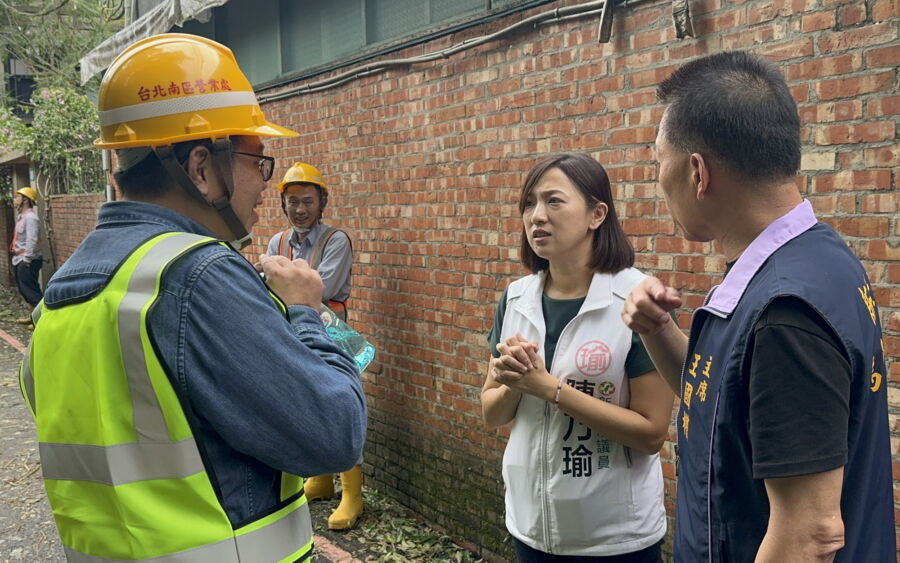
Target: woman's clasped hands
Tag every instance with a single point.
(522, 368)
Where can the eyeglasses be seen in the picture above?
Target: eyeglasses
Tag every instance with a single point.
(266, 164)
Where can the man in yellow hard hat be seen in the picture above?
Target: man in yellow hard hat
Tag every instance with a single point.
(304, 197)
(25, 249)
(176, 394)
(328, 250)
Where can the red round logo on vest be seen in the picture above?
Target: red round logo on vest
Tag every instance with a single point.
(593, 358)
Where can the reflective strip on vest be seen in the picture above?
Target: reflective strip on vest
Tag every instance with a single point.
(154, 455)
(284, 535)
(149, 421)
(264, 544)
(121, 463)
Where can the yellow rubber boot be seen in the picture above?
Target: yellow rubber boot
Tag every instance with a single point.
(319, 487)
(347, 513)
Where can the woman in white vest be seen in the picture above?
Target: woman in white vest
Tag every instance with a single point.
(590, 413)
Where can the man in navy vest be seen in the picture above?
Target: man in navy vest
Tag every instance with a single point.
(783, 440)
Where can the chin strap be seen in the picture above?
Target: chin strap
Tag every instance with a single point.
(221, 152)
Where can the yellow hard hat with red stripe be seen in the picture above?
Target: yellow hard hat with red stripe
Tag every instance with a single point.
(177, 87)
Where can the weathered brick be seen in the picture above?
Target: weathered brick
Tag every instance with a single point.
(817, 161)
(865, 36)
(855, 180)
(881, 203)
(885, 9)
(846, 110)
(884, 57)
(851, 14)
(883, 106)
(817, 21)
(855, 86)
(862, 133)
(882, 157)
(870, 227)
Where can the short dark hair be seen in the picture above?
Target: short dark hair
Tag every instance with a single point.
(148, 177)
(612, 250)
(737, 108)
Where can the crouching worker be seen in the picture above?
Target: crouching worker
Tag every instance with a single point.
(304, 196)
(168, 415)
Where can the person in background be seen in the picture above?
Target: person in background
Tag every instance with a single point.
(25, 249)
(176, 394)
(328, 250)
(581, 468)
(783, 439)
(304, 197)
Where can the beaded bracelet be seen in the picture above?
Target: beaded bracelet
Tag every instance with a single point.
(558, 389)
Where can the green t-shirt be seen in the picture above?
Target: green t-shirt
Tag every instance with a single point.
(557, 314)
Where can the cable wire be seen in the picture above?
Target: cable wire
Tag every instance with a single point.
(556, 14)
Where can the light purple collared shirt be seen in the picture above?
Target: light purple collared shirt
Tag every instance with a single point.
(723, 298)
(27, 246)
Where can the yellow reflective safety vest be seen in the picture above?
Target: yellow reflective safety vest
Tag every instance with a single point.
(122, 471)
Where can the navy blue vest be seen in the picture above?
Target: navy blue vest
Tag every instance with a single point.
(722, 511)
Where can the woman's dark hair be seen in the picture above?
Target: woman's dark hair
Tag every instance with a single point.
(737, 108)
(612, 250)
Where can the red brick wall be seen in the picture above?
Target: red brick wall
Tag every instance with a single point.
(72, 217)
(425, 162)
(7, 225)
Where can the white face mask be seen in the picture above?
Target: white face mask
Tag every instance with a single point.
(301, 232)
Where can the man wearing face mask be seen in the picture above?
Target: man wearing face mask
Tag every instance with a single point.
(304, 197)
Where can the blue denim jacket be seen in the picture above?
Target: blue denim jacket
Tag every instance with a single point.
(262, 395)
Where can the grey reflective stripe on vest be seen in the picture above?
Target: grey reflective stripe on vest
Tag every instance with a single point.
(149, 421)
(154, 455)
(267, 543)
(121, 463)
(264, 544)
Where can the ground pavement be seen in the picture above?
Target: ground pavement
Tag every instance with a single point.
(385, 533)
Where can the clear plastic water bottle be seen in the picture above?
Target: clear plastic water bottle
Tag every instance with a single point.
(347, 339)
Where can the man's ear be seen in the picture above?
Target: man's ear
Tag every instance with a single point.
(700, 175)
(599, 215)
(198, 169)
(323, 199)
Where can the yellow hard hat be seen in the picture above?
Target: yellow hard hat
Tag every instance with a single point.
(301, 172)
(177, 87)
(30, 193)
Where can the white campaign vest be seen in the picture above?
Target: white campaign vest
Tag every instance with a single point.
(570, 491)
